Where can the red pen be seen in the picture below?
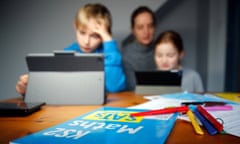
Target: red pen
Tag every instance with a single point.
(161, 111)
(210, 118)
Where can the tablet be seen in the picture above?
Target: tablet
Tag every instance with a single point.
(18, 108)
(66, 78)
(158, 82)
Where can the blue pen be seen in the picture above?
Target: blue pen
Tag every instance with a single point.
(211, 130)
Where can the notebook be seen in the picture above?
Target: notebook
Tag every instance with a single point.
(106, 125)
(158, 82)
(66, 78)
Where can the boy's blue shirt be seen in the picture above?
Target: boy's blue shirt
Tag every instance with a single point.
(114, 74)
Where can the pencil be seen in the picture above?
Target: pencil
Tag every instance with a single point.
(194, 122)
(211, 119)
(161, 111)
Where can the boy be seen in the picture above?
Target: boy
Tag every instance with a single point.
(93, 32)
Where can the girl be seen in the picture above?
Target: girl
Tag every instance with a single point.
(168, 53)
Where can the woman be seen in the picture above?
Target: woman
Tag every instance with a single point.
(138, 55)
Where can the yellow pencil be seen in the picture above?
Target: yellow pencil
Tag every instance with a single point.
(194, 122)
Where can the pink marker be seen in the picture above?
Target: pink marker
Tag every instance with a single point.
(218, 108)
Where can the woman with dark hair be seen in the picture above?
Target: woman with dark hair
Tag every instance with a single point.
(138, 55)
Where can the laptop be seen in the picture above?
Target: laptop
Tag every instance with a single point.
(66, 78)
(158, 82)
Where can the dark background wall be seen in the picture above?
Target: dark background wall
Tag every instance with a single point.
(233, 47)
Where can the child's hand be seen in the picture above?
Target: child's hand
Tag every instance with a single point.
(22, 84)
(100, 28)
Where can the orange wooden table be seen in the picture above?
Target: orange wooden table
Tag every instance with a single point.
(182, 133)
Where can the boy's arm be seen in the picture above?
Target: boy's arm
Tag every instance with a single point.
(115, 79)
(114, 74)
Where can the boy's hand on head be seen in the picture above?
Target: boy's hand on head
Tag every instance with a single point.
(100, 28)
(22, 84)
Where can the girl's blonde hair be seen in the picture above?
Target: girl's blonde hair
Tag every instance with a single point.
(94, 11)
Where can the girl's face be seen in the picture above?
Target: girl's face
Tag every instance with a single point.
(87, 39)
(167, 57)
(143, 28)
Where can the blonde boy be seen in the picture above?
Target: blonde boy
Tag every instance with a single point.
(92, 26)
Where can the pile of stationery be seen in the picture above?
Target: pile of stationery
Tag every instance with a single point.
(207, 110)
(212, 125)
